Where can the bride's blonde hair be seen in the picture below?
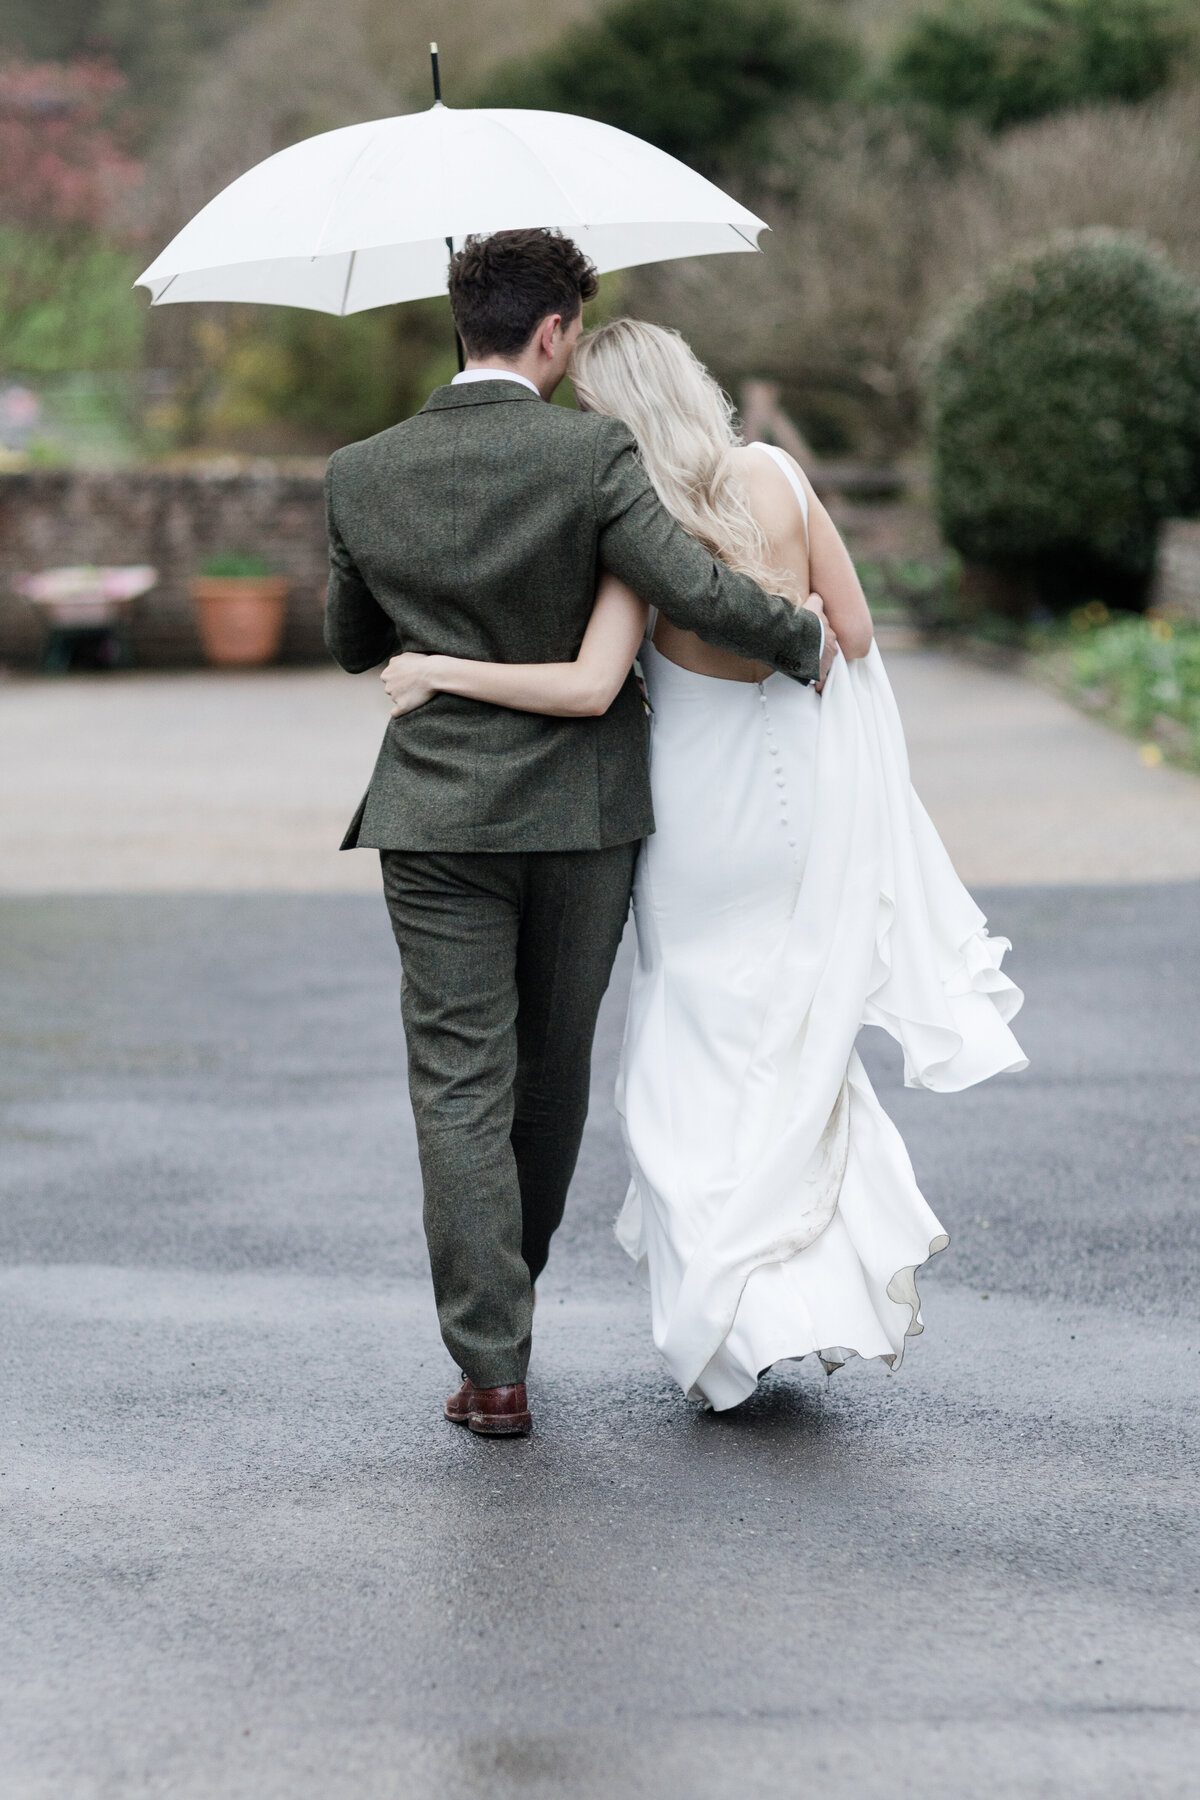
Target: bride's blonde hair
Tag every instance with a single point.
(683, 422)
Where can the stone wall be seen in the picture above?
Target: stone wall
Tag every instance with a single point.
(1177, 585)
(173, 519)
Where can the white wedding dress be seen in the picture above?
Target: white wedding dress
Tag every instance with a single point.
(794, 891)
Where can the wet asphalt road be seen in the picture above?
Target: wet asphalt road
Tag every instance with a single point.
(244, 1559)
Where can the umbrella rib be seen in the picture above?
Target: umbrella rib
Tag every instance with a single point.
(518, 139)
(582, 222)
(340, 187)
(349, 279)
(158, 298)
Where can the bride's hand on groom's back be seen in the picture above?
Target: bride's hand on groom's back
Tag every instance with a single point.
(408, 679)
(829, 648)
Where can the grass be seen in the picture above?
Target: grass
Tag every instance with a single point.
(1138, 673)
(1141, 674)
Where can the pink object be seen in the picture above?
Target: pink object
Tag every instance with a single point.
(86, 596)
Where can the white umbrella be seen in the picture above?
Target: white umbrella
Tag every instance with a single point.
(361, 217)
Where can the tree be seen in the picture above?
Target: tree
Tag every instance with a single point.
(65, 177)
(30, 28)
(702, 79)
(154, 43)
(63, 161)
(1003, 61)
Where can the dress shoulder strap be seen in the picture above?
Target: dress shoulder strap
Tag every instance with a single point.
(777, 456)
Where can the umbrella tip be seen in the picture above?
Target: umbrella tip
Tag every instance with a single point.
(433, 49)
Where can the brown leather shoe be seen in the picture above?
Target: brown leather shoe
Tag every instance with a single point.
(499, 1411)
(458, 1406)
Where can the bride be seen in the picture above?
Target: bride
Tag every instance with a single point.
(794, 891)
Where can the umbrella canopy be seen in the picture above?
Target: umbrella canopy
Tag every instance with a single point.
(360, 217)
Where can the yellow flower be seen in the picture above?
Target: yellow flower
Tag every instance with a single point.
(1150, 755)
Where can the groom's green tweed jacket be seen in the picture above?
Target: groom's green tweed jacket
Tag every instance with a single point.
(477, 529)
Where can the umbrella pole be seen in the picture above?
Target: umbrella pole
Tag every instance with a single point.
(437, 101)
(458, 343)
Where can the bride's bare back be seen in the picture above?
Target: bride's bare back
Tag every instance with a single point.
(814, 558)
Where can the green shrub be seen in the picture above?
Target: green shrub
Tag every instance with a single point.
(235, 565)
(1066, 417)
(1002, 61)
(280, 378)
(67, 305)
(702, 79)
(1142, 674)
(916, 592)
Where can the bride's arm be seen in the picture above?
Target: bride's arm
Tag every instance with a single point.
(580, 689)
(832, 574)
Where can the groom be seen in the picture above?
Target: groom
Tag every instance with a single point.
(508, 839)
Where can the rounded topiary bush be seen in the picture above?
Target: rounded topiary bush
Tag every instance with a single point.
(1066, 417)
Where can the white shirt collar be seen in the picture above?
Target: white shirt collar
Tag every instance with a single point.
(465, 375)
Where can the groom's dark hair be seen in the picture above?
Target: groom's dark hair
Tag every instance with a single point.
(502, 287)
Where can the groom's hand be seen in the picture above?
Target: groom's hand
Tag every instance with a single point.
(829, 648)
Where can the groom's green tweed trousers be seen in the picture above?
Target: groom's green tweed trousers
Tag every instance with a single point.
(478, 529)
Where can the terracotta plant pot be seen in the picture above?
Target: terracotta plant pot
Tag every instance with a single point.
(240, 617)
